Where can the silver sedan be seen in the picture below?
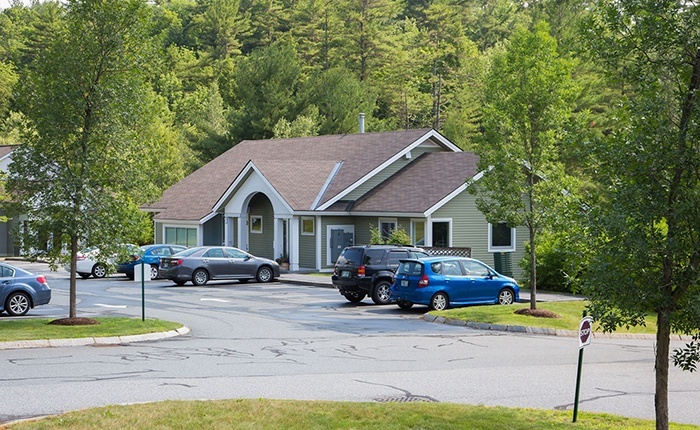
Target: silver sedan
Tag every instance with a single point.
(200, 264)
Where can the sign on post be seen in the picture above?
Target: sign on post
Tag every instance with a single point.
(585, 334)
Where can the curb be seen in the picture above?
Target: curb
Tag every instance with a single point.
(95, 341)
(541, 330)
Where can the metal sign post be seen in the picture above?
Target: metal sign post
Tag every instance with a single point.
(585, 334)
(143, 291)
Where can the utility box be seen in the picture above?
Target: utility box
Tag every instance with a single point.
(142, 268)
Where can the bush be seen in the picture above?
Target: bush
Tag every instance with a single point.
(557, 263)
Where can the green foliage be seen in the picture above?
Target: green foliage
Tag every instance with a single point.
(397, 236)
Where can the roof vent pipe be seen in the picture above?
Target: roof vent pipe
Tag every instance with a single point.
(362, 123)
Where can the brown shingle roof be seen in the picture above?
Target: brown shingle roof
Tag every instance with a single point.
(285, 163)
(421, 184)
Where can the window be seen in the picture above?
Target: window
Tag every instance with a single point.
(6, 272)
(418, 233)
(256, 224)
(307, 225)
(181, 236)
(451, 268)
(235, 253)
(501, 238)
(472, 268)
(395, 256)
(214, 253)
(386, 226)
(441, 233)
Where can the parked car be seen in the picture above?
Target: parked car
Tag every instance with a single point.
(441, 282)
(21, 290)
(364, 270)
(150, 255)
(203, 263)
(92, 262)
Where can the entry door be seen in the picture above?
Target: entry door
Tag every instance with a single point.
(339, 240)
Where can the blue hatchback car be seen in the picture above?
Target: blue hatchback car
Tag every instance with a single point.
(149, 254)
(441, 282)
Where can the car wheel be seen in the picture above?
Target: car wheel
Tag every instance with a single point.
(264, 274)
(17, 304)
(99, 270)
(354, 296)
(381, 294)
(439, 302)
(84, 275)
(404, 304)
(200, 277)
(154, 271)
(506, 297)
(179, 283)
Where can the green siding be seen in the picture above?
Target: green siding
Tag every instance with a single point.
(213, 231)
(388, 171)
(470, 229)
(307, 250)
(259, 244)
(158, 232)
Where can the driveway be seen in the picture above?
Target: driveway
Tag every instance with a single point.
(285, 340)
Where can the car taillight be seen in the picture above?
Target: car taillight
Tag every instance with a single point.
(423, 281)
(80, 257)
(134, 257)
(335, 270)
(41, 279)
(361, 271)
(176, 262)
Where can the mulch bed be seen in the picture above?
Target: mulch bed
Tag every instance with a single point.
(75, 321)
(539, 313)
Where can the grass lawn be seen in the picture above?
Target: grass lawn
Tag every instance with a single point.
(304, 415)
(571, 313)
(39, 328)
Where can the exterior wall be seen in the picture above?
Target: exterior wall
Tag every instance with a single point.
(158, 230)
(261, 244)
(328, 221)
(470, 229)
(390, 170)
(5, 239)
(362, 225)
(213, 231)
(307, 250)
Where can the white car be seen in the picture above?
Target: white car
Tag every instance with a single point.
(90, 262)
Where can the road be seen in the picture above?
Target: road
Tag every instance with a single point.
(290, 341)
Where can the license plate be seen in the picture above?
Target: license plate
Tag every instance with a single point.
(345, 274)
(404, 282)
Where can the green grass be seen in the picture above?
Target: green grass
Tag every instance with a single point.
(304, 415)
(39, 328)
(570, 313)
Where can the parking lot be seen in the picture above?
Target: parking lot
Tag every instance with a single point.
(286, 340)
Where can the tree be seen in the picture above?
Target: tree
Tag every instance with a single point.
(527, 106)
(86, 164)
(645, 228)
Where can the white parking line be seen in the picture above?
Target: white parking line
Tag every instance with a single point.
(215, 300)
(111, 306)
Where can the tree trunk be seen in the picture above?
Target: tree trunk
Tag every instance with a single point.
(533, 270)
(73, 274)
(663, 340)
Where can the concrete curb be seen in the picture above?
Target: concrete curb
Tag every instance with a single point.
(98, 341)
(542, 330)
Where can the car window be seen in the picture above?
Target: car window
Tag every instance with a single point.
(436, 267)
(188, 252)
(395, 256)
(161, 251)
(409, 268)
(177, 249)
(235, 253)
(451, 268)
(351, 256)
(6, 272)
(419, 254)
(214, 253)
(474, 268)
(374, 256)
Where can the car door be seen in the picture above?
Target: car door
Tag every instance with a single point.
(217, 263)
(456, 283)
(479, 276)
(7, 280)
(240, 263)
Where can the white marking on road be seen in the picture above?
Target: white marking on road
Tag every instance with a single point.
(111, 306)
(215, 300)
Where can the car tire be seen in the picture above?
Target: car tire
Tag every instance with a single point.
(17, 304)
(179, 283)
(264, 274)
(131, 277)
(154, 271)
(84, 275)
(99, 270)
(381, 293)
(354, 297)
(200, 277)
(439, 302)
(506, 297)
(404, 304)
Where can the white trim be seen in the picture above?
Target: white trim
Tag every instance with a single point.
(208, 217)
(241, 178)
(394, 221)
(313, 225)
(449, 230)
(250, 224)
(413, 233)
(319, 243)
(513, 242)
(325, 186)
(441, 141)
(346, 228)
(446, 199)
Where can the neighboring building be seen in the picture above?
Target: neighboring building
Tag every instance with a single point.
(310, 197)
(7, 247)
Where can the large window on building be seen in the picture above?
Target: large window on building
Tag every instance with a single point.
(501, 238)
(418, 232)
(185, 236)
(386, 227)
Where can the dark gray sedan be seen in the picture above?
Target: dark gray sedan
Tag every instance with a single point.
(202, 263)
(21, 290)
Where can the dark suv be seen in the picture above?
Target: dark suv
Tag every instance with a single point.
(369, 270)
